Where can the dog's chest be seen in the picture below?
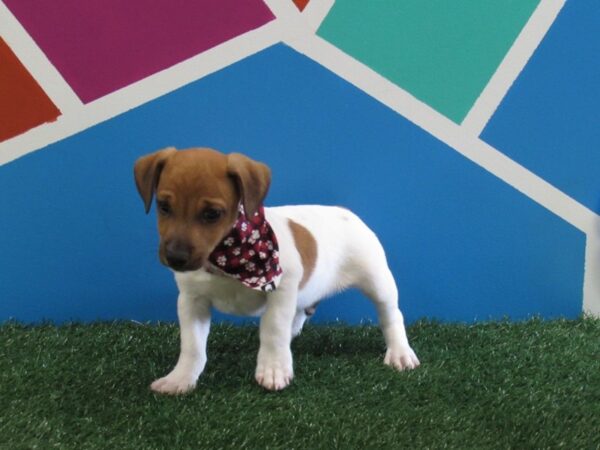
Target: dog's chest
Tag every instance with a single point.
(224, 294)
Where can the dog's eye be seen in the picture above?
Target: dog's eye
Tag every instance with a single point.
(164, 209)
(211, 215)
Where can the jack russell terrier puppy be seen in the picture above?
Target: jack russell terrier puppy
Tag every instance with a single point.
(230, 253)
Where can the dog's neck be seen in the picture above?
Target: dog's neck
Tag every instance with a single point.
(249, 253)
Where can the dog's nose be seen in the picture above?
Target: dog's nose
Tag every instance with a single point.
(177, 255)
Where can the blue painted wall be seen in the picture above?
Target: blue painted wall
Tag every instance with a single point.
(549, 121)
(463, 245)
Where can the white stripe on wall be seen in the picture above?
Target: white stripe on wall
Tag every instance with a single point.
(316, 11)
(591, 282)
(37, 64)
(143, 91)
(511, 66)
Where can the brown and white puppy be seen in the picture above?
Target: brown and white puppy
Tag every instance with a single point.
(322, 250)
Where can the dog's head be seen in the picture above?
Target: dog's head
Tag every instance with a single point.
(198, 192)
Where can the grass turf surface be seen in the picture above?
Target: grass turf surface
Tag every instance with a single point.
(533, 384)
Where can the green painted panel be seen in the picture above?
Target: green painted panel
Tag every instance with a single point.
(442, 51)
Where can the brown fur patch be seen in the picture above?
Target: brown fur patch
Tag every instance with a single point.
(307, 247)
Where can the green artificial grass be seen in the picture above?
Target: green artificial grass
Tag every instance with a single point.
(533, 384)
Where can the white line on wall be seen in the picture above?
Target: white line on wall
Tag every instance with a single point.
(142, 91)
(296, 23)
(283, 9)
(292, 21)
(511, 66)
(591, 281)
(36, 63)
(316, 11)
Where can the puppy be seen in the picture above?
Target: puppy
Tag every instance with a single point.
(230, 253)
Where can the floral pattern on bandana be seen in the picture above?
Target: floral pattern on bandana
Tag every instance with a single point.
(249, 253)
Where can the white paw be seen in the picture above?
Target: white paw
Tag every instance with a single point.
(273, 373)
(403, 358)
(174, 383)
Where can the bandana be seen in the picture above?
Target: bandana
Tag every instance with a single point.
(249, 253)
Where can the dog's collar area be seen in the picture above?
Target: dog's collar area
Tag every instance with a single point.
(249, 253)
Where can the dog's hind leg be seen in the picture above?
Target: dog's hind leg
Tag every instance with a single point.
(298, 322)
(377, 283)
(301, 317)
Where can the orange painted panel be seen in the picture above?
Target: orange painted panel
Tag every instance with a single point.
(23, 103)
(301, 4)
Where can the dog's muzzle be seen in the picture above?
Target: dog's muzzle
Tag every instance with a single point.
(178, 256)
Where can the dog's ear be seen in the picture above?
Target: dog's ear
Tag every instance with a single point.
(252, 179)
(147, 173)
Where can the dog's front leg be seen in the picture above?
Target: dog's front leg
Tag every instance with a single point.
(274, 369)
(194, 325)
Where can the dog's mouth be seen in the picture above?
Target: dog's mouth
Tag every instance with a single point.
(181, 265)
(185, 268)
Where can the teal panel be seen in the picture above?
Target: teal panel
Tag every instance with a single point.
(443, 52)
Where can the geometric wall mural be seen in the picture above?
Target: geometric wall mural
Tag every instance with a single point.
(469, 146)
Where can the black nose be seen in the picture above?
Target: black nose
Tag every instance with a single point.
(177, 255)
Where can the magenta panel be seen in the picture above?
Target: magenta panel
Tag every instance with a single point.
(100, 46)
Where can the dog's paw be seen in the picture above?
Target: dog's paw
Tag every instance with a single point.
(273, 374)
(403, 358)
(174, 384)
(273, 378)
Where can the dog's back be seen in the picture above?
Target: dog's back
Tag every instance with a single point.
(347, 248)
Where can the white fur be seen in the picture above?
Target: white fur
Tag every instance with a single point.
(349, 254)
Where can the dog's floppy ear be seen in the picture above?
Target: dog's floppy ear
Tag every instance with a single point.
(252, 179)
(147, 173)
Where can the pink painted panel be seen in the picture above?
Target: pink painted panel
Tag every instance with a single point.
(102, 45)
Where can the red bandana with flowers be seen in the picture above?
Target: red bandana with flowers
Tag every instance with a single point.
(249, 253)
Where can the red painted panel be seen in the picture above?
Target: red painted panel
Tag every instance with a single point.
(23, 103)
